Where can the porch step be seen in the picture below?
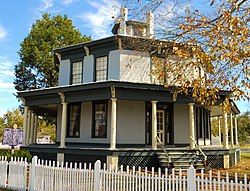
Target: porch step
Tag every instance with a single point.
(180, 159)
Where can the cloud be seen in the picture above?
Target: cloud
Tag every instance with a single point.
(100, 20)
(7, 87)
(3, 32)
(67, 2)
(7, 73)
(46, 4)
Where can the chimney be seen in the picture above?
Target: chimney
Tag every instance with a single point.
(122, 19)
(150, 21)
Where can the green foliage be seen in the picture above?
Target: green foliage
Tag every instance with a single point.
(17, 153)
(37, 68)
(244, 126)
(47, 127)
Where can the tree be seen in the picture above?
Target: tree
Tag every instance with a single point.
(244, 126)
(47, 127)
(37, 68)
(214, 40)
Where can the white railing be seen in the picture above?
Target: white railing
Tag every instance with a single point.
(164, 149)
(50, 176)
(204, 155)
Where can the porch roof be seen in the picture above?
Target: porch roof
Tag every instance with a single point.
(48, 98)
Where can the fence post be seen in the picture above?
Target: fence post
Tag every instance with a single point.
(97, 176)
(191, 176)
(32, 174)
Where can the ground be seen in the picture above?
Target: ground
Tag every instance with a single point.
(242, 168)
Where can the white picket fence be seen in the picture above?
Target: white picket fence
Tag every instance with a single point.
(50, 176)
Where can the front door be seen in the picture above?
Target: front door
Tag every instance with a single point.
(161, 126)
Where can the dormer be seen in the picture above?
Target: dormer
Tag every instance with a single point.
(123, 26)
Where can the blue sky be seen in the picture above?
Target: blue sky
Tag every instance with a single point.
(91, 17)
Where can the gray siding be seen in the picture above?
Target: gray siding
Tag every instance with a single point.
(130, 122)
(88, 69)
(64, 72)
(181, 124)
(135, 67)
(114, 65)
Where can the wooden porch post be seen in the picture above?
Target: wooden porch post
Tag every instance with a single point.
(32, 127)
(231, 130)
(35, 129)
(154, 125)
(28, 127)
(191, 124)
(219, 129)
(113, 123)
(225, 129)
(236, 130)
(25, 120)
(64, 120)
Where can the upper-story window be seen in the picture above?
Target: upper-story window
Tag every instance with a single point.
(76, 77)
(101, 68)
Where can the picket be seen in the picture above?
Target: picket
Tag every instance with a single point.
(3, 171)
(48, 175)
(17, 177)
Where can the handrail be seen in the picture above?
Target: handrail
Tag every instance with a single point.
(165, 151)
(205, 156)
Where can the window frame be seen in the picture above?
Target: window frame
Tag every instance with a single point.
(94, 103)
(68, 120)
(95, 72)
(202, 123)
(72, 69)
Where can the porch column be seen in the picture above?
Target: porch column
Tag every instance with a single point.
(35, 129)
(225, 129)
(236, 130)
(64, 121)
(28, 127)
(113, 123)
(25, 120)
(191, 124)
(32, 128)
(154, 125)
(219, 129)
(231, 130)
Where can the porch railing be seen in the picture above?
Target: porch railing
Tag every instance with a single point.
(163, 148)
(199, 148)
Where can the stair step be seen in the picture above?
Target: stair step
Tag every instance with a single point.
(180, 159)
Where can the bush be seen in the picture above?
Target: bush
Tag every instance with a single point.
(17, 153)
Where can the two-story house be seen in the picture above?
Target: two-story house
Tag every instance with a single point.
(108, 107)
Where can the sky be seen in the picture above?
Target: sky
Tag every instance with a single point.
(91, 17)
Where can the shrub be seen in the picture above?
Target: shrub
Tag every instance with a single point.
(17, 153)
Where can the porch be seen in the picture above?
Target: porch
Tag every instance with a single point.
(134, 155)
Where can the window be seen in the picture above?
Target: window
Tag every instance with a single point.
(76, 72)
(199, 125)
(74, 113)
(101, 68)
(202, 123)
(100, 119)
